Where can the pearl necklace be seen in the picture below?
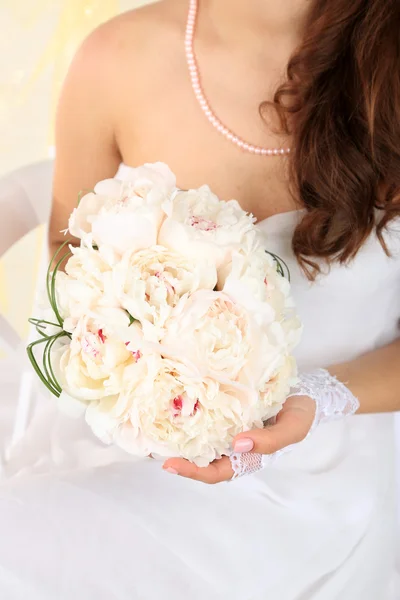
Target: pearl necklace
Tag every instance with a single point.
(201, 97)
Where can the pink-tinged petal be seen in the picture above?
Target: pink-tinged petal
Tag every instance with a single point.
(196, 407)
(203, 224)
(137, 355)
(177, 404)
(89, 347)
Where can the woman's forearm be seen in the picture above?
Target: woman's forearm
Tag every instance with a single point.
(374, 379)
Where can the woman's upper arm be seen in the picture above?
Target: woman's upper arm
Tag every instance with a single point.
(86, 151)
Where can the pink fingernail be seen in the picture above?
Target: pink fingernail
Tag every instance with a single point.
(244, 445)
(172, 471)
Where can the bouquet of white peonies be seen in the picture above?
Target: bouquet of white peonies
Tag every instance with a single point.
(172, 326)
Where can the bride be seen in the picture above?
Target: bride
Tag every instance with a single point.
(292, 108)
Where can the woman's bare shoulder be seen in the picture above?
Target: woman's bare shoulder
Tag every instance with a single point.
(125, 48)
(136, 32)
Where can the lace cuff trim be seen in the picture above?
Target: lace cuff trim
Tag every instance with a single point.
(333, 401)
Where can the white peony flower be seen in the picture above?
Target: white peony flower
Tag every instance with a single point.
(285, 334)
(74, 299)
(252, 280)
(213, 332)
(274, 390)
(92, 365)
(124, 215)
(199, 224)
(171, 410)
(81, 218)
(152, 181)
(149, 283)
(209, 332)
(85, 285)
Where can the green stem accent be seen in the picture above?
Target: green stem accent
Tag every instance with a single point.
(51, 282)
(56, 384)
(48, 378)
(47, 366)
(34, 363)
(281, 266)
(33, 321)
(46, 373)
(56, 254)
(41, 325)
(45, 369)
(131, 319)
(53, 292)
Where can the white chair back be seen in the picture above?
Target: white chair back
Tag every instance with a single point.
(25, 203)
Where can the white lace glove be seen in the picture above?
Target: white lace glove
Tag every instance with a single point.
(333, 401)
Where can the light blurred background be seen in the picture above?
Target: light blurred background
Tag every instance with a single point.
(39, 39)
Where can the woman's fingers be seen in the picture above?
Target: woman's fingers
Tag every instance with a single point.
(217, 471)
(292, 425)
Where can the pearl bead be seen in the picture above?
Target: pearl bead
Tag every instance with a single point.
(202, 99)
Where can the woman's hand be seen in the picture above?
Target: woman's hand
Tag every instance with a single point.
(292, 425)
(372, 386)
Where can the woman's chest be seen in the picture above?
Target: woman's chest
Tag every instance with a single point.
(178, 134)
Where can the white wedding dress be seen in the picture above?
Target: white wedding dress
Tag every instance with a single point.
(79, 521)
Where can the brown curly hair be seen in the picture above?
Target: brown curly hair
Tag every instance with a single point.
(341, 104)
